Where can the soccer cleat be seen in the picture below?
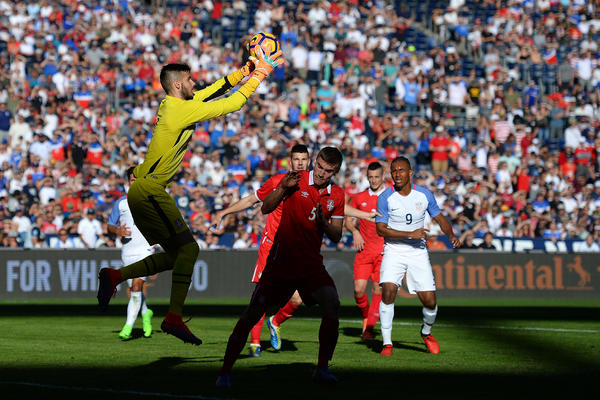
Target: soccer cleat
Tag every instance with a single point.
(324, 376)
(107, 285)
(432, 345)
(368, 334)
(147, 323)
(364, 325)
(174, 325)
(125, 333)
(387, 351)
(223, 381)
(255, 350)
(275, 337)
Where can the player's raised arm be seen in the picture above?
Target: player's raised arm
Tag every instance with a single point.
(350, 211)
(236, 207)
(191, 112)
(273, 199)
(224, 85)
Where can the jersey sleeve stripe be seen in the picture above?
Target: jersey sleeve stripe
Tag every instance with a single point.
(219, 92)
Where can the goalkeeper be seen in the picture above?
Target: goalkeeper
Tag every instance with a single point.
(153, 209)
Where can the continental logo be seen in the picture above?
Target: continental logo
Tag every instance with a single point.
(562, 273)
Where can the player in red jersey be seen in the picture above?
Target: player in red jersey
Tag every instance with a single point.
(370, 248)
(299, 161)
(312, 206)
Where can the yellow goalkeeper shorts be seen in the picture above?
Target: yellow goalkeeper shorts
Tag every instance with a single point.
(156, 215)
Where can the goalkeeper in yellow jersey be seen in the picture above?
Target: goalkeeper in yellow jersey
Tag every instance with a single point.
(153, 209)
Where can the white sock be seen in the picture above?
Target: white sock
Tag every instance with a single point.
(429, 315)
(133, 308)
(144, 306)
(386, 317)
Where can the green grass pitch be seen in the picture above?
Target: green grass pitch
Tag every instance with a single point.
(507, 349)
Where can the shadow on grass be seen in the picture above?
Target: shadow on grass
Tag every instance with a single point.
(166, 379)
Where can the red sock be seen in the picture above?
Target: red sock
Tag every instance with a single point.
(236, 343)
(328, 337)
(363, 303)
(373, 310)
(255, 332)
(173, 318)
(284, 313)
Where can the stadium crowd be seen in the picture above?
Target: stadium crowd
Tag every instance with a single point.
(496, 103)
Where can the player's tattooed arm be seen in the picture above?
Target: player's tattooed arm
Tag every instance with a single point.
(273, 199)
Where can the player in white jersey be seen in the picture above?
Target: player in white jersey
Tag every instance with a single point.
(401, 224)
(135, 247)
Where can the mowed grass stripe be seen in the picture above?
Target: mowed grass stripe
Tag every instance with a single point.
(443, 325)
(108, 390)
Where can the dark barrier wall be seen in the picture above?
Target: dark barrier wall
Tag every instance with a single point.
(73, 273)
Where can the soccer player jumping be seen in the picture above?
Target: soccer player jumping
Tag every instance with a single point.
(402, 208)
(312, 206)
(369, 246)
(154, 210)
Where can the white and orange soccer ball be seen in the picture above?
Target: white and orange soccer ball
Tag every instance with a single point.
(267, 42)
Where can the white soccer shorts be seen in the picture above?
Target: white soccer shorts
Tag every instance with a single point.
(412, 263)
(135, 256)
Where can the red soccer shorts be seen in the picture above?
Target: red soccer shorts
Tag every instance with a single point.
(274, 289)
(367, 264)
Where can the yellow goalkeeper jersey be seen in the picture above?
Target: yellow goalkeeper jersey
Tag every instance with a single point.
(176, 122)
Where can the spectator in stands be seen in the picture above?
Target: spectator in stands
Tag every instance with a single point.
(89, 229)
(590, 245)
(520, 97)
(64, 241)
(467, 240)
(487, 242)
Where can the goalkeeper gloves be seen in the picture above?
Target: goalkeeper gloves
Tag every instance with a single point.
(264, 65)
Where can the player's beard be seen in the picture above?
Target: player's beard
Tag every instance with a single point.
(188, 94)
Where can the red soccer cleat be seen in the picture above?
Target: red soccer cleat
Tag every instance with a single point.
(174, 325)
(432, 345)
(108, 279)
(387, 351)
(368, 334)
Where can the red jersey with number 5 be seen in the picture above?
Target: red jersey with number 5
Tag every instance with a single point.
(296, 251)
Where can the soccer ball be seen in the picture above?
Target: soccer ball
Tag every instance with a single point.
(267, 42)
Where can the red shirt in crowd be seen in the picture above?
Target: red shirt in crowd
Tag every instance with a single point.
(439, 142)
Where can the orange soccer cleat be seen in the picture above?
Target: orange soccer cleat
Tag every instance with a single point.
(174, 325)
(387, 351)
(432, 345)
